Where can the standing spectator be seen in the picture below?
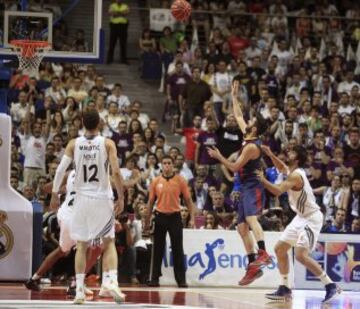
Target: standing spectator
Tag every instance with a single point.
(34, 148)
(190, 135)
(220, 86)
(118, 97)
(195, 94)
(352, 150)
(206, 139)
(167, 189)
(119, 23)
(18, 110)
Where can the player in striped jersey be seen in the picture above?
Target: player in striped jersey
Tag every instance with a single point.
(303, 231)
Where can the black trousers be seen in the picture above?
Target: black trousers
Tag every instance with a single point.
(168, 223)
(118, 31)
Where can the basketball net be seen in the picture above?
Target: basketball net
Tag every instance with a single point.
(30, 54)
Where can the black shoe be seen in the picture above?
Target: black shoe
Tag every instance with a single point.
(153, 283)
(183, 285)
(71, 291)
(283, 293)
(33, 285)
(332, 290)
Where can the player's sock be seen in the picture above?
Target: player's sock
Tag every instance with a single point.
(35, 277)
(285, 280)
(80, 278)
(251, 257)
(105, 277)
(261, 245)
(113, 276)
(324, 278)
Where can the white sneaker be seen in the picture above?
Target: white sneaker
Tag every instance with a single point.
(104, 292)
(88, 292)
(79, 297)
(115, 292)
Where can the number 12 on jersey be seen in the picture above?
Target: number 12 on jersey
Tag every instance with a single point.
(92, 170)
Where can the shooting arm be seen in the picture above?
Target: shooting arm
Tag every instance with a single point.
(294, 180)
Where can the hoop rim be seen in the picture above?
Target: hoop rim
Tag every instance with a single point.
(30, 43)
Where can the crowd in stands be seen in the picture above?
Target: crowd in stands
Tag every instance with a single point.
(302, 77)
(296, 73)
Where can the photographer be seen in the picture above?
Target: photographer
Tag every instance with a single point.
(124, 242)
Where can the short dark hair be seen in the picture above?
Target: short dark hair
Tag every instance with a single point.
(167, 157)
(301, 155)
(91, 119)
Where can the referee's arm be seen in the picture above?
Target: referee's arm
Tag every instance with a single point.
(150, 204)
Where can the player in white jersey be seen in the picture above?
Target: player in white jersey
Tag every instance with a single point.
(93, 215)
(303, 231)
(64, 216)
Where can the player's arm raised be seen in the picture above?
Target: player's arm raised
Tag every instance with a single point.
(116, 174)
(279, 164)
(294, 181)
(247, 154)
(237, 107)
(66, 160)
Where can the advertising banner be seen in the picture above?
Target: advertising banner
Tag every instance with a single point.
(161, 18)
(218, 258)
(339, 255)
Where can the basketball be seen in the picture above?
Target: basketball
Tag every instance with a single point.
(181, 10)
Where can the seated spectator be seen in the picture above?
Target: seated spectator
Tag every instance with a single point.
(212, 222)
(221, 206)
(355, 225)
(185, 217)
(184, 170)
(118, 97)
(332, 197)
(124, 242)
(353, 201)
(338, 224)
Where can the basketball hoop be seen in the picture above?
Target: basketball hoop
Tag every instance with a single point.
(30, 53)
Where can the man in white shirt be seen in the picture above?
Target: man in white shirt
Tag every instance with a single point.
(220, 86)
(283, 55)
(345, 107)
(34, 148)
(118, 97)
(179, 58)
(76, 92)
(59, 146)
(348, 83)
(184, 170)
(143, 117)
(55, 91)
(18, 110)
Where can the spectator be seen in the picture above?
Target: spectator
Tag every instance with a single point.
(332, 197)
(355, 226)
(18, 110)
(338, 224)
(353, 201)
(118, 97)
(185, 217)
(212, 222)
(195, 94)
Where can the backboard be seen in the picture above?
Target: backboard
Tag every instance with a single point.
(72, 27)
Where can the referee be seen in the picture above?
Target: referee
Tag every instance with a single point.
(167, 189)
(118, 29)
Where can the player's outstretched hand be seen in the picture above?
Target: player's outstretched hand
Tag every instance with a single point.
(235, 89)
(260, 175)
(214, 152)
(55, 201)
(266, 150)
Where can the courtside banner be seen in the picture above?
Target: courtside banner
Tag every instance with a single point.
(161, 18)
(218, 258)
(339, 255)
(16, 217)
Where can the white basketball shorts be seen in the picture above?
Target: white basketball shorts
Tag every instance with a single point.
(303, 232)
(92, 218)
(64, 217)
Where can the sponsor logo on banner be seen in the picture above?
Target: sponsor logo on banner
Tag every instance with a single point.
(211, 257)
(339, 256)
(6, 236)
